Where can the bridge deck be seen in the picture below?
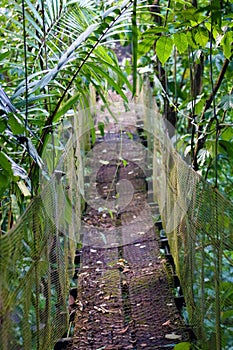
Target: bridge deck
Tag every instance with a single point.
(124, 299)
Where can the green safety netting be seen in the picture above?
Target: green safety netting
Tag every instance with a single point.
(199, 225)
(37, 255)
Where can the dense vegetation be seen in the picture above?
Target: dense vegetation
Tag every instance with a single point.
(52, 52)
(55, 52)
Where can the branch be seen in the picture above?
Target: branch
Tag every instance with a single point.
(201, 141)
(48, 125)
(216, 87)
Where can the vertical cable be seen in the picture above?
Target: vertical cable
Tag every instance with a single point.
(26, 82)
(193, 122)
(44, 34)
(214, 106)
(215, 213)
(34, 221)
(25, 62)
(134, 46)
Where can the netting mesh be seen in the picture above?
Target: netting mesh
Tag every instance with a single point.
(37, 255)
(35, 277)
(198, 222)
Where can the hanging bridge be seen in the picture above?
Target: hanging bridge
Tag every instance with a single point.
(123, 233)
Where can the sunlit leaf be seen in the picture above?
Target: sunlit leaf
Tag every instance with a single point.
(66, 57)
(35, 12)
(181, 42)
(182, 346)
(227, 44)
(155, 30)
(110, 11)
(23, 188)
(202, 37)
(227, 134)
(164, 47)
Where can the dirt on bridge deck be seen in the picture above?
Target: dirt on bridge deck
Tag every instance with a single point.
(124, 298)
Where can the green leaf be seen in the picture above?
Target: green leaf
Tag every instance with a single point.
(202, 37)
(164, 48)
(227, 41)
(4, 55)
(16, 125)
(130, 135)
(227, 314)
(110, 11)
(35, 12)
(93, 135)
(155, 30)
(227, 146)
(216, 15)
(65, 58)
(192, 15)
(117, 70)
(145, 45)
(191, 39)
(227, 134)
(4, 180)
(5, 163)
(101, 128)
(182, 346)
(108, 79)
(3, 123)
(181, 42)
(66, 106)
(125, 163)
(199, 105)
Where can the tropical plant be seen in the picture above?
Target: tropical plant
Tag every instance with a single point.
(187, 55)
(52, 53)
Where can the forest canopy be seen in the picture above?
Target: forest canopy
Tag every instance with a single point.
(54, 53)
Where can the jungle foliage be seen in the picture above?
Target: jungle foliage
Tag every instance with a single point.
(53, 53)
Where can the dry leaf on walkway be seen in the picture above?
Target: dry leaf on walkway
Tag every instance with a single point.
(173, 336)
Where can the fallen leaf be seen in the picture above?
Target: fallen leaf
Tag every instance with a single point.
(173, 336)
(123, 331)
(126, 269)
(81, 307)
(104, 162)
